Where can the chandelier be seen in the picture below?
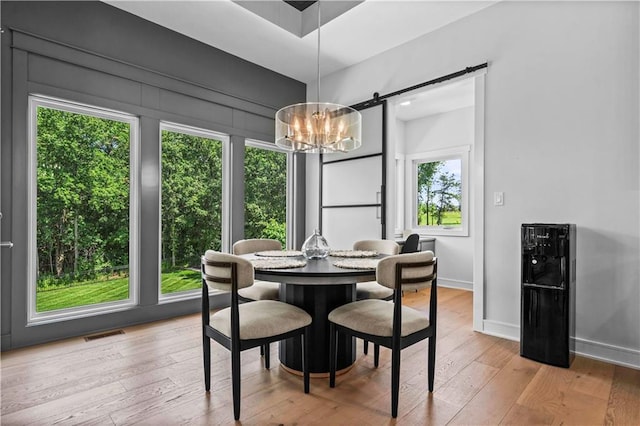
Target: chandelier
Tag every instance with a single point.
(318, 127)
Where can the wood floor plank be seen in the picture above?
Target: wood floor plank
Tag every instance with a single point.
(521, 415)
(448, 364)
(465, 385)
(593, 377)
(491, 404)
(162, 405)
(500, 353)
(624, 398)
(551, 392)
(72, 381)
(15, 375)
(99, 411)
(62, 406)
(428, 410)
(294, 409)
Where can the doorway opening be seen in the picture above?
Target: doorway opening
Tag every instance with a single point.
(435, 177)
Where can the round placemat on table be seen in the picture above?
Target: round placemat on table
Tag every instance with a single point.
(278, 263)
(353, 253)
(279, 253)
(357, 263)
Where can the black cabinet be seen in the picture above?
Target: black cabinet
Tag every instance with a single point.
(427, 243)
(548, 260)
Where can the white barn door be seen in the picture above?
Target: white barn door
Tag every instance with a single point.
(352, 197)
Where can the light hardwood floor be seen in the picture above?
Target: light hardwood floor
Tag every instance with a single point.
(153, 375)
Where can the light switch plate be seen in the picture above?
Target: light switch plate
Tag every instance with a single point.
(498, 198)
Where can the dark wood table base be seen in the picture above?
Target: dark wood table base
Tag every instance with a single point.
(318, 301)
(316, 375)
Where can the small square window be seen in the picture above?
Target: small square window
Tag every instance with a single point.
(437, 201)
(439, 191)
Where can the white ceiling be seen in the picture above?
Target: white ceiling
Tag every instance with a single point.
(369, 28)
(354, 35)
(435, 100)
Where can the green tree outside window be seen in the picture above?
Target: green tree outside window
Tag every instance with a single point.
(191, 206)
(82, 234)
(265, 194)
(439, 193)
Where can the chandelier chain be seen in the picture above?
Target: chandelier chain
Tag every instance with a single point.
(319, 24)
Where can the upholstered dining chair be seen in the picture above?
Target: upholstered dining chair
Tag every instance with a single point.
(260, 290)
(390, 324)
(410, 244)
(371, 289)
(247, 325)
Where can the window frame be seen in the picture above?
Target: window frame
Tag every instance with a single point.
(254, 143)
(411, 189)
(400, 193)
(33, 317)
(226, 202)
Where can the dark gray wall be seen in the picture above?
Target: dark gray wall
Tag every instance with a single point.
(93, 53)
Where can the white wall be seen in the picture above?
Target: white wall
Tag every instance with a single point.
(561, 141)
(439, 131)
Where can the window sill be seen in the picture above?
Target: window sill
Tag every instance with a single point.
(442, 232)
(80, 312)
(179, 296)
(185, 295)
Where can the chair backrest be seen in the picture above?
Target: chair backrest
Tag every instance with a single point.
(217, 271)
(411, 244)
(416, 270)
(255, 244)
(381, 246)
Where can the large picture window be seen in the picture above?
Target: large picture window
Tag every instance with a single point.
(265, 193)
(83, 203)
(192, 204)
(439, 191)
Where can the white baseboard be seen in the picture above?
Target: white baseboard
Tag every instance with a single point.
(501, 329)
(451, 283)
(604, 352)
(617, 355)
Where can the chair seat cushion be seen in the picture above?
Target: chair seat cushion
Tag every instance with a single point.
(262, 318)
(376, 317)
(261, 290)
(372, 290)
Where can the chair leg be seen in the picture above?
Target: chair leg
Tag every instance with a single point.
(305, 358)
(395, 381)
(235, 382)
(267, 355)
(432, 361)
(206, 355)
(206, 342)
(376, 355)
(261, 350)
(366, 347)
(333, 353)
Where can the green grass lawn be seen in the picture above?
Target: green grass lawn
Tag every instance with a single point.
(451, 218)
(448, 218)
(92, 292)
(182, 280)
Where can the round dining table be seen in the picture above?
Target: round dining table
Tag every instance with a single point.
(318, 288)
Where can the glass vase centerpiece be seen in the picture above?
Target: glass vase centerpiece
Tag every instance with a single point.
(315, 247)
